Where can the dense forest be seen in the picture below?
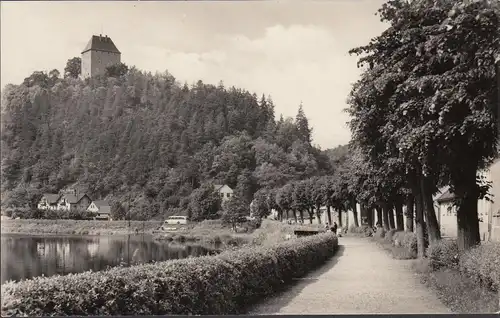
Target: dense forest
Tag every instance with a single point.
(146, 141)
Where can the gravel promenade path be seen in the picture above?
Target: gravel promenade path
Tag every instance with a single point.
(360, 279)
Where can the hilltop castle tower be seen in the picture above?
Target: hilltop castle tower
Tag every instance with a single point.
(99, 53)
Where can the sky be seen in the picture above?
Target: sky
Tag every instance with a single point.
(295, 51)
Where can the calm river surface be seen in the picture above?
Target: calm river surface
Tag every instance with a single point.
(25, 256)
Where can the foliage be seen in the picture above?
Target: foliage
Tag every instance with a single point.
(73, 68)
(482, 264)
(468, 284)
(118, 211)
(428, 85)
(443, 254)
(260, 205)
(363, 231)
(204, 203)
(222, 284)
(116, 70)
(234, 210)
(147, 137)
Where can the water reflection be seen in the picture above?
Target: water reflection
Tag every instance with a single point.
(29, 256)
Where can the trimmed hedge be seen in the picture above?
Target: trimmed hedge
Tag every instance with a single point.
(364, 230)
(216, 285)
(481, 263)
(443, 254)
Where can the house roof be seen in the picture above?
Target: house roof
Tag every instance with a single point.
(103, 206)
(73, 199)
(51, 198)
(101, 43)
(101, 203)
(446, 197)
(218, 187)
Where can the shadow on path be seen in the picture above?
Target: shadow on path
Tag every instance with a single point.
(284, 297)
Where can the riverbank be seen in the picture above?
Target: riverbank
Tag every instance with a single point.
(206, 232)
(78, 227)
(214, 232)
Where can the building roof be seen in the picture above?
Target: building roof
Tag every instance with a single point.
(447, 196)
(103, 206)
(101, 43)
(73, 199)
(51, 198)
(101, 203)
(218, 187)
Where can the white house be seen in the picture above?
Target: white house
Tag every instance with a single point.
(79, 201)
(102, 208)
(488, 212)
(49, 201)
(225, 191)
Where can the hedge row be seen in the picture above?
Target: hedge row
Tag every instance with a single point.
(364, 231)
(221, 284)
(481, 263)
(398, 239)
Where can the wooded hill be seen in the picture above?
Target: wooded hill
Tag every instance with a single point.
(148, 138)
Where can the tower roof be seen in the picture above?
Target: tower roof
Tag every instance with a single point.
(101, 43)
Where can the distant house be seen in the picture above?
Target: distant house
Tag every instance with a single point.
(493, 219)
(49, 201)
(102, 208)
(446, 213)
(488, 212)
(224, 190)
(79, 201)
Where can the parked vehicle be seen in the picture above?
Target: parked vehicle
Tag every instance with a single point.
(174, 220)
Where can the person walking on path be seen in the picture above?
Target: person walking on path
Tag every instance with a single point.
(334, 228)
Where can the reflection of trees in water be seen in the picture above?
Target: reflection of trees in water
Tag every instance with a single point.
(26, 257)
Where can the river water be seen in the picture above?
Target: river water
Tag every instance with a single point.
(27, 256)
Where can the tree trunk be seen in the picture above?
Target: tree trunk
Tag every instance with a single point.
(410, 207)
(419, 224)
(385, 217)
(400, 226)
(311, 215)
(392, 222)
(433, 229)
(347, 218)
(295, 215)
(301, 213)
(364, 212)
(370, 214)
(355, 214)
(329, 214)
(468, 234)
(379, 216)
(339, 217)
(318, 213)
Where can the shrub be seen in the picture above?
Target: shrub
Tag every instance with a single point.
(222, 284)
(443, 254)
(398, 238)
(410, 242)
(482, 264)
(361, 230)
(380, 233)
(388, 236)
